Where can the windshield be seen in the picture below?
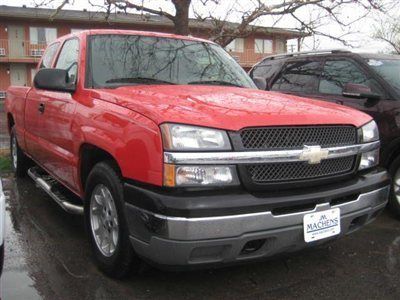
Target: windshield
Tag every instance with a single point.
(118, 60)
(389, 69)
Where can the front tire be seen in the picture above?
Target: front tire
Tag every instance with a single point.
(394, 200)
(105, 222)
(19, 161)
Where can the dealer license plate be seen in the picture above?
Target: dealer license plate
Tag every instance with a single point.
(321, 225)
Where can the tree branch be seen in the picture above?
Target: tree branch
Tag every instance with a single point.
(124, 4)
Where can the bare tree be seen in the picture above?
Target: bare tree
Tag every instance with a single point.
(223, 31)
(388, 30)
(180, 18)
(320, 12)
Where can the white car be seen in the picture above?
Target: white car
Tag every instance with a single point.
(2, 230)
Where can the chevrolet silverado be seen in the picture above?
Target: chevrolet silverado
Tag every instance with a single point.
(173, 156)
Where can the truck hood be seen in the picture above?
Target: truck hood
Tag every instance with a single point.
(229, 108)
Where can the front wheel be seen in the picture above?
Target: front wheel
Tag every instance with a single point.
(394, 200)
(19, 161)
(105, 222)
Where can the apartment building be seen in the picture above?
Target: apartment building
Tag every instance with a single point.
(25, 33)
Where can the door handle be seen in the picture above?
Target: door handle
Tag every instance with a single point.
(41, 108)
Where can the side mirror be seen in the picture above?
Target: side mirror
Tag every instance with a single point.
(260, 83)
(359, 91)
(53, 80)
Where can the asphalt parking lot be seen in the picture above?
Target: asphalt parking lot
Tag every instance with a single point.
(48, 257)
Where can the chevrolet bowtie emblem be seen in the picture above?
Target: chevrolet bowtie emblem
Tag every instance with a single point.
(314, 154)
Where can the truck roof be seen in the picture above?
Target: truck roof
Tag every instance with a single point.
(135, 32)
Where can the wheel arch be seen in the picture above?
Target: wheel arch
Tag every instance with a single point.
(391, 153)
(89, 156)
(10, 121)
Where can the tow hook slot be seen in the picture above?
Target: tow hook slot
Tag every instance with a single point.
(252, 246)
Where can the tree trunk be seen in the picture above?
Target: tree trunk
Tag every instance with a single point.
(181, 20)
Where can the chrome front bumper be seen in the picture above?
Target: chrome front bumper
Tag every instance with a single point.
(222, 239)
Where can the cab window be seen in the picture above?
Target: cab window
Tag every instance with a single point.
(48, 56)
(68, 59)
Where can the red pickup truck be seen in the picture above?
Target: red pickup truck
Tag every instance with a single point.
(173, 156)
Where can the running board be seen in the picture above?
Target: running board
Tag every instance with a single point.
(54, 189)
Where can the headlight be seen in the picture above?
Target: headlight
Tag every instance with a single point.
(369, 159)
(183, 137)
(184, 176)
(369, 132)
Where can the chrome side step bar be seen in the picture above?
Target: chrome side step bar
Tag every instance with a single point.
(49, 185)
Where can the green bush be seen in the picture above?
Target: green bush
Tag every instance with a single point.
(5, 164)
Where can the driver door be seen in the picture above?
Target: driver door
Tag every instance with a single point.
(55, 111)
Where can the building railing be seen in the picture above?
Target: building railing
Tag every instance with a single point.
(21, 49)
(248, 57)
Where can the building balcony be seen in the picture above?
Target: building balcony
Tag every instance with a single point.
(21, 51)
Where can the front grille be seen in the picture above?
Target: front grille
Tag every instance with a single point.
(296, 137)
(295, 171)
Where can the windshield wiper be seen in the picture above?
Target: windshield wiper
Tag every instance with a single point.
(138, 80)
(215, 82)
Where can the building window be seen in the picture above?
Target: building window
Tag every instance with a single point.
(237, 45)
(280, 46)
(263, 46)
(42, 35)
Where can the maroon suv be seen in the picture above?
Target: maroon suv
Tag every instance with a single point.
(367, 82)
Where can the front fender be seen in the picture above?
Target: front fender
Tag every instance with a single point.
(131, 138)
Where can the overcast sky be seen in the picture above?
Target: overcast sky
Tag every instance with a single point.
(360, 36)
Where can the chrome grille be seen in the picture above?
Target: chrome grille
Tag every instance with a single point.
(297, 136)
(278, 172)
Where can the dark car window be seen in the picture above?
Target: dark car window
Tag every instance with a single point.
(266, 69)
(337, 73)
(68, 58)
(299, 76)
(48, 56)
(389, 69)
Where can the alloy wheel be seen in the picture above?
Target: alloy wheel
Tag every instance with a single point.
(104, 220)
